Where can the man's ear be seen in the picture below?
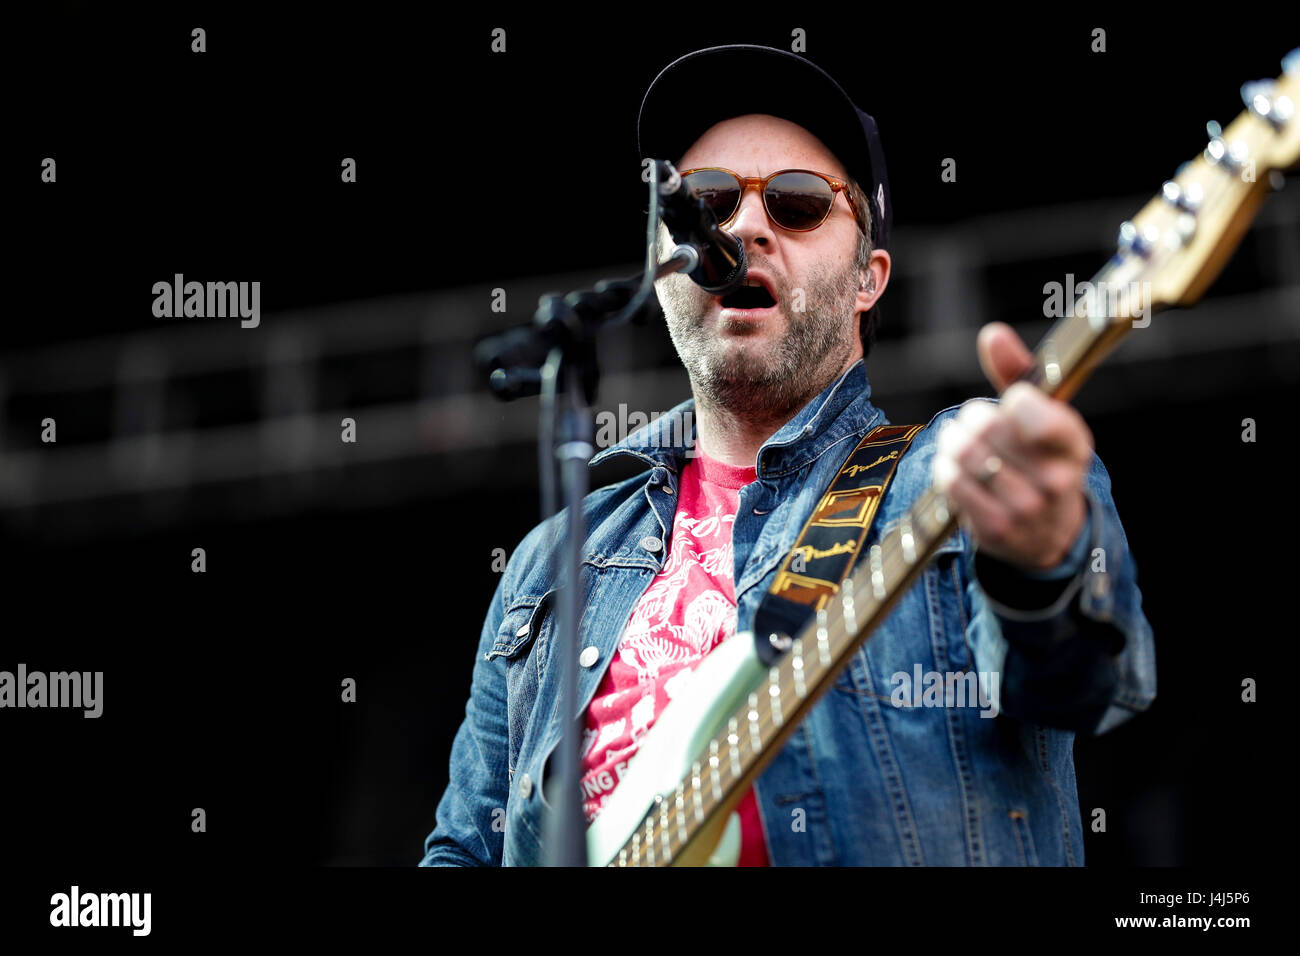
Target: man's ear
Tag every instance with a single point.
(872, 280)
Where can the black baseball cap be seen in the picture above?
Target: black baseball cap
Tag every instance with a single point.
(700, 89)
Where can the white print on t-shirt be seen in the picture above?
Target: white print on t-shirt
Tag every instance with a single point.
(661, 597)
(709, 617)
(699, 528)
(609, 733)
(622, 752)
(643, 714)
(679, 619)
(650, 654)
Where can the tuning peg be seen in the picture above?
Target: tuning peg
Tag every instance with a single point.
(1262, 99)
(1219, 153)
(1187, 201)
(1186, 198)
(1130, 240)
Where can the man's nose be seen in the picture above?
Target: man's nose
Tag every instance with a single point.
(750, 223)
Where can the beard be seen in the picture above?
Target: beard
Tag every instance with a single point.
(764, 381)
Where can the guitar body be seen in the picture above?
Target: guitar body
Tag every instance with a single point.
(720, 839)
(717, 687)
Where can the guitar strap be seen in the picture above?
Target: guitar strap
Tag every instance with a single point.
(831, 541)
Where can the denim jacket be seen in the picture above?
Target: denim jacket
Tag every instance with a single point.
(876, 774)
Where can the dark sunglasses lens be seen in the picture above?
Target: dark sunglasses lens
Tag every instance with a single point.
(799, 200)
(720, 190)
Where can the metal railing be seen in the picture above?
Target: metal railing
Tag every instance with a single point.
(195, 404)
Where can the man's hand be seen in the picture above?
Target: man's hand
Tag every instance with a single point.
(1016, 470)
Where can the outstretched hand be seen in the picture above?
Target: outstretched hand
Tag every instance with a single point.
(1015, 470)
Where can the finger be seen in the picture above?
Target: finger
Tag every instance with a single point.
(988, 422)
(1047, 426)
(1050, 471)
(984, 517)
(1015, 490)
(961, 453)
(1003, 356)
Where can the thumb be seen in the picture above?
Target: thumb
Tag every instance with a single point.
(1003, 356)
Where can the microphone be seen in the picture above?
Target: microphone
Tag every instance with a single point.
(722, 264)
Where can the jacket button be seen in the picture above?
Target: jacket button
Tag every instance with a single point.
(523, 629)
(525, 786)
(588, 656)
(651, 543)
(668, 489)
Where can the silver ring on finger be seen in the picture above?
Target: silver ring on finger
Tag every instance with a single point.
(992, 465)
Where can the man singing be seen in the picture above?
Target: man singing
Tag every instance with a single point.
(1036, 592)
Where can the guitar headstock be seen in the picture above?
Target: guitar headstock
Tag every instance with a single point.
(1183, 238)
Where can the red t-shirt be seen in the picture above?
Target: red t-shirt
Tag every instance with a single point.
(688, 609)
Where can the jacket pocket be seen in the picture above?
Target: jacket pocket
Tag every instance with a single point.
(520, 626)
(521, 647)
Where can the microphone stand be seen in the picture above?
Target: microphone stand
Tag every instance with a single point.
(558, 350)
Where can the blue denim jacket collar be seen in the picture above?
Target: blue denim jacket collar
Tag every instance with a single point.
(816, 427)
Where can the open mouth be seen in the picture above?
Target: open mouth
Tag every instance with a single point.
(748, 297)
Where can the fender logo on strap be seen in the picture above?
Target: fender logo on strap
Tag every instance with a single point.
(852, 470)
(824, 554)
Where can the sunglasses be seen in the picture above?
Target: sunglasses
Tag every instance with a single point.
(796, 199)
